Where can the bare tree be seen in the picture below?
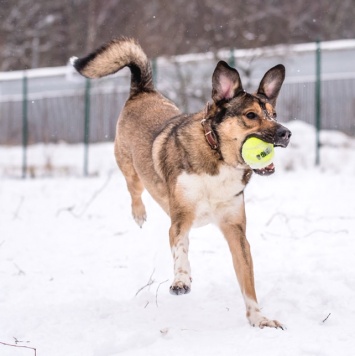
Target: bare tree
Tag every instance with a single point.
(37, 33)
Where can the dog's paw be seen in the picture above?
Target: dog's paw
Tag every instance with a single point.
(182, 283)
(138, 212)
(139, 216)
(261, 322)
(181, 287)
(271, 324)
(178, 290)
(140, 219)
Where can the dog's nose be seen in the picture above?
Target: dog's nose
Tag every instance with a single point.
(282, 136)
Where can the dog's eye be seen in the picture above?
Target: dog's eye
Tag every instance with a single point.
(274, 115)
(251, 115)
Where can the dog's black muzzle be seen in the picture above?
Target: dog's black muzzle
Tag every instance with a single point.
(282, 136)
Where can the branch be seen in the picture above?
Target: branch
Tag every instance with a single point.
(326, 318)
(286, 217)
(19, 346)
(17, 211)
(97, 193)
(150, 282)
(69, 209)
(89, 202)
(20, 271)
(156, 293)
(327, 232)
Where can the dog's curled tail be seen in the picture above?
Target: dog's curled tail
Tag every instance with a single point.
(112, 57)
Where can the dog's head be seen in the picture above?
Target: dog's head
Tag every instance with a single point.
(236, 115)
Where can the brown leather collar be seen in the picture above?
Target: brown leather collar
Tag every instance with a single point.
(210, 135)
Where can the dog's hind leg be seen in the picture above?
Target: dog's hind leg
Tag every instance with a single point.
(234, 232)
(136, 188)
(134, 185)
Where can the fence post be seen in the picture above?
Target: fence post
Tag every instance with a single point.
(86, 126)
(24, 124)
(318, 106)
(231, 58)
(155, 71)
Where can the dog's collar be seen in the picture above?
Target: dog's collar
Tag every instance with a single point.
(210, 135)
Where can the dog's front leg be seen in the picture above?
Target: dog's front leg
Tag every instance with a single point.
(179, 243)
(234, 232)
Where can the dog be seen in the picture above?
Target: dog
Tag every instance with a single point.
(192, 164)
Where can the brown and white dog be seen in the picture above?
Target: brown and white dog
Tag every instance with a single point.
(192, 164)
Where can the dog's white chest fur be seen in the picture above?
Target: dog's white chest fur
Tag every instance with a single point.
(212, 196)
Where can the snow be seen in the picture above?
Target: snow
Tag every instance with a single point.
(79, 277)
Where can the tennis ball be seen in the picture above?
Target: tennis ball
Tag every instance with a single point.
(257, 153)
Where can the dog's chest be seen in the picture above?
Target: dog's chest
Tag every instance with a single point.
(212, 197)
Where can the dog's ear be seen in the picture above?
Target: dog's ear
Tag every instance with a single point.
(226, 83)
(271, 83)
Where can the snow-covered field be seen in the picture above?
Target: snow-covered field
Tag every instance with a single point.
(79, 278)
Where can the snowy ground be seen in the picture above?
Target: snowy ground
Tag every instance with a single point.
(79, 278)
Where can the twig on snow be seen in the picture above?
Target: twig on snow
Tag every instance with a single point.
(274, 216)
(17, 341)
(89, 202)
(326, 318)
(96, 194)
(287, 218)
(20, 271)
(17, 211)
(19, 346)
(327, 232)
(149, 283)
(156, 293)
(70, 209)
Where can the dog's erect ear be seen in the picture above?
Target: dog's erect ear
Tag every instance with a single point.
(226, 82)
(271, 83)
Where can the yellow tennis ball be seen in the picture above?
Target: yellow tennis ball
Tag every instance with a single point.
(257, 153)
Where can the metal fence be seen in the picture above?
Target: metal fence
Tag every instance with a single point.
(57, 105)
(58, 113)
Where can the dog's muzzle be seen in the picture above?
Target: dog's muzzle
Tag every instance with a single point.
(282, 136)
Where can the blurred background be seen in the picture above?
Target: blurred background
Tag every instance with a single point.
(45, 33)
(45, 104)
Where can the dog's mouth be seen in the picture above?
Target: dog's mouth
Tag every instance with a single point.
(266, 171)
(279, 138)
